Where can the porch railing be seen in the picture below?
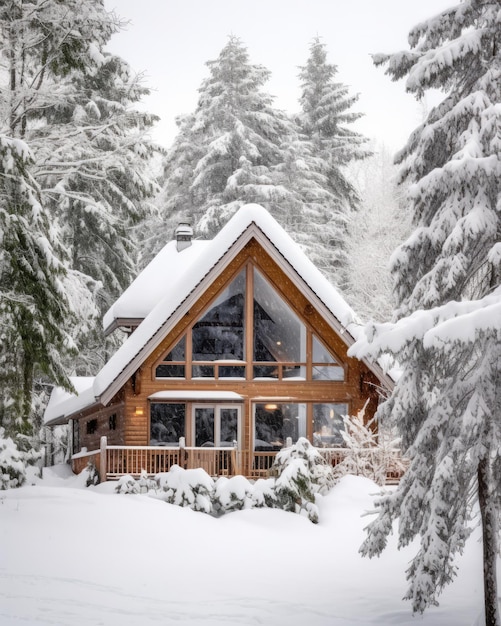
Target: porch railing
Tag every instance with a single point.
(115, 461)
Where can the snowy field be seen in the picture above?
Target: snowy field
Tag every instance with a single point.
(76, 556)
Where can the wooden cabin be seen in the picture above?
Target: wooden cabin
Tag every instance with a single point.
(236, 347)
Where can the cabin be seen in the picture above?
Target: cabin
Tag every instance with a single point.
(235, 347)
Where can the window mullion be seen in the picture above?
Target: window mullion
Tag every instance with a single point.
(249, 322)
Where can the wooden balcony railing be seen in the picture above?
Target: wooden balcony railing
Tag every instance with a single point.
(115, 461)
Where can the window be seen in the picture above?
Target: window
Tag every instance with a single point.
(282, 346)
(324, 365)
(167, 423)
(275, 422)
(219, 334)
(112, 421)
(328, 425)
(173, 365)
(279, 335)
(216, 425)
(91, 427)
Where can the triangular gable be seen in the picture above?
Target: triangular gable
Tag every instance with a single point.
(251, 221)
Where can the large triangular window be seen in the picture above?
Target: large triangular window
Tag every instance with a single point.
(273, 342)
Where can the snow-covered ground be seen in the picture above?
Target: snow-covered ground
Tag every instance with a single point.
(81, 556)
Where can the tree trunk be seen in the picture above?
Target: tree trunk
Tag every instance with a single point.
(489, 537)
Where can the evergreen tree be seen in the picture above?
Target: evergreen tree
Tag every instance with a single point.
(225, 152)
(447, 402)
(70, 102)
(33, 304)
(325, 113)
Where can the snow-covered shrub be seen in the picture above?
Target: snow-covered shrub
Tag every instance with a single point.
(293, 490)
(192, 488)
(368, 453)
(301, 472)
(127, 484)
(232, 494)
(263, 493)
(320, 473)
(15, 457)
(12, 464)
(146, 483)
(92, 475)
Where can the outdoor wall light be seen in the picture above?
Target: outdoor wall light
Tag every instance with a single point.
(139, 410)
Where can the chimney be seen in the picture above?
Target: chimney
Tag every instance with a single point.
(184, 233)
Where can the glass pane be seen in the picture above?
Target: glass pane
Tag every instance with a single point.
(204, 427)
(265, 371)
(170, 371)
(231, 371)
(274, 423)
(326, 366)
(219, 334)
(202, 371)
(167, 423)
(178, 351)
(328, 424)
(279, 335)
(228, 426)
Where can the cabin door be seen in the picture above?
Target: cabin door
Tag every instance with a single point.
(216, 425)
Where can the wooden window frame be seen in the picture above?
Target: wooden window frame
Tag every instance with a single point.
(248, 363)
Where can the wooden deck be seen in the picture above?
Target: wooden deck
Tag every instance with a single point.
(112, 462)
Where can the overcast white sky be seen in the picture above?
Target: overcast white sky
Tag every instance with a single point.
(171, 40)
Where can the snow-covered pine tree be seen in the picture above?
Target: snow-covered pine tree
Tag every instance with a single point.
(447, 337)
(33, 304)
(325, 115)
(225, 151)
(73, 103)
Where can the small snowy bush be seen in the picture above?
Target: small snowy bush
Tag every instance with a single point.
(92, 475)
(146, 483)
(320, 473)
(263, 493)
(301, 473)
(15, 456)
(127, 484)
(191, 488)
(232, 494)
(12, 466)
(293, 490)
(368, 454)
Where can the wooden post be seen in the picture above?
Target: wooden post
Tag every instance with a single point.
(102, 459)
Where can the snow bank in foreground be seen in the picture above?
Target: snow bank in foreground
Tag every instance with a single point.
(70, 555)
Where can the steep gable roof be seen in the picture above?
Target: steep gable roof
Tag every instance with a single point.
(185, 278)
(251, 221)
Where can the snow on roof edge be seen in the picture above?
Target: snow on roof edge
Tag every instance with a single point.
(63, 403)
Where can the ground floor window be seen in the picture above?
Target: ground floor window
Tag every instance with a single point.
(328, 424)
(216, 425)
(167, 423)
(275, 422)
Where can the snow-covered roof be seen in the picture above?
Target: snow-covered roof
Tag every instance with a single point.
(181, 284)
(64, 403)
(153, 283)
